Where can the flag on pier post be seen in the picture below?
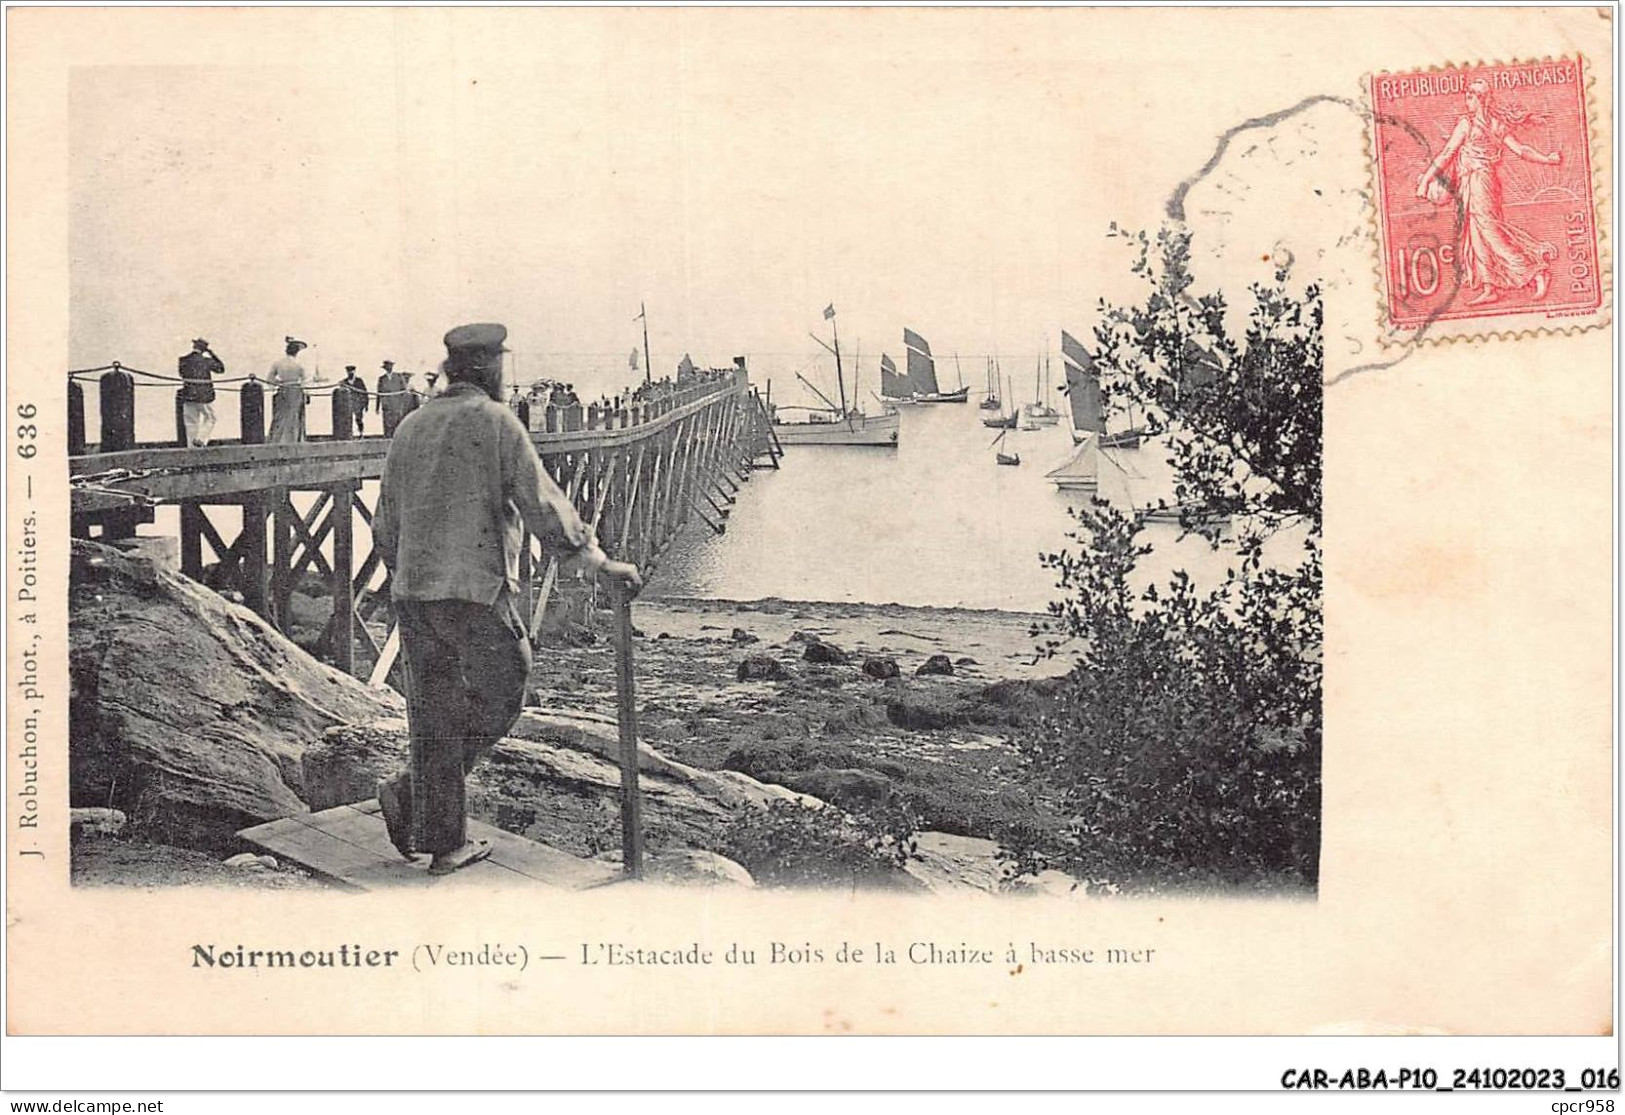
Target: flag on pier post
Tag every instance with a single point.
(829, 311)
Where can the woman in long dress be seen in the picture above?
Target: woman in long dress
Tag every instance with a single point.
(288, 405)
(1492, 254)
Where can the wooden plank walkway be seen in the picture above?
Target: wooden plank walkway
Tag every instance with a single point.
(349, 847)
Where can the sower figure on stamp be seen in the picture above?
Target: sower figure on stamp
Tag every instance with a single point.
(198, 368)
(460, 479)
(1492, 253)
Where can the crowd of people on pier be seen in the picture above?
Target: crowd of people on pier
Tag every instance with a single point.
(395, 395)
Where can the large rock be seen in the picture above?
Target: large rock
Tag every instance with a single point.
(926, 711)
(187, 712)
(556, 779)
(95, 822)
(688, 867)
(850, 788)
(937, 664)
(762, 667)
(880, 666)
(944, 863)
(824, 654)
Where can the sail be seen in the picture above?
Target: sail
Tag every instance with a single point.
(1082, 386)
(922, 370)
(685, 367)
(892, 385)
(1083, 465)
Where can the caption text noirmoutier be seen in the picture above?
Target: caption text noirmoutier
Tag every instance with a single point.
(1018, 956)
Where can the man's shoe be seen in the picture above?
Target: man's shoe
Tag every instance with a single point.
(396, 821)
(472, 852)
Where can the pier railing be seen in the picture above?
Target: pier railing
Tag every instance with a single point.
(636, 472)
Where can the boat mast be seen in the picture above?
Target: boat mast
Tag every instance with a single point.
(840, 378)
(643, 316)
(857, 371)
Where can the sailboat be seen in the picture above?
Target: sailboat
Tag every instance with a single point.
(990, 400)
(1039, 412)
(1003, 421)
(836, 424)
(1001, 456)
(1081, 471)
(922, 373)
(894, 388)
(1083, 391)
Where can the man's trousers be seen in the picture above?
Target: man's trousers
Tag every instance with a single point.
(467, 669)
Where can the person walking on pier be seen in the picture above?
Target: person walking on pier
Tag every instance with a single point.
(198, 368)
(460, 480)
(520, 407)
(352, 405)
(288, 405)
(394, 398)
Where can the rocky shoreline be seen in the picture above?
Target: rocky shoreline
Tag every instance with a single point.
(197, 719)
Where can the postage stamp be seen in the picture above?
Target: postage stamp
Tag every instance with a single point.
(1485, 197)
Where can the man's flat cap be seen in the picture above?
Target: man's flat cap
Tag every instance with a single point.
(481, 335)
(349, 367)
(389, 365)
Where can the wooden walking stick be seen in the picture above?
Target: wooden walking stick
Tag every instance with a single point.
(627, 715)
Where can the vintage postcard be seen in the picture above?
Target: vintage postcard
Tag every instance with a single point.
(789, 521)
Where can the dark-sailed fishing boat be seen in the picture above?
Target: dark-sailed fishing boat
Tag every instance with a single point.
(922, 373)
(894, 387)
(1083, 391)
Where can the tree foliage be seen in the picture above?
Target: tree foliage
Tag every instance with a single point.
(1186, 747)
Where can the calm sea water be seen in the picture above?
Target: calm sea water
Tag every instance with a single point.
(935, 522)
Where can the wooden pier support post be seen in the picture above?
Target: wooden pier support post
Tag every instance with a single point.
(281, 557)
(342, 629)
(251, 562)
(76, 419)
(192, 514)
(627, 718)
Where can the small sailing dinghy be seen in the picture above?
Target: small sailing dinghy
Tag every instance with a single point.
(1000, 455)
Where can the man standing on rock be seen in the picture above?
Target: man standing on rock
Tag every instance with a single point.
(460, 478)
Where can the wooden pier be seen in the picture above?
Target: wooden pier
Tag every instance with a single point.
(637, 473)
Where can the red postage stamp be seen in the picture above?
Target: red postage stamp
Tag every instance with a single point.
(1484, 195)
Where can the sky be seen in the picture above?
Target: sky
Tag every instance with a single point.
(735, 170)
